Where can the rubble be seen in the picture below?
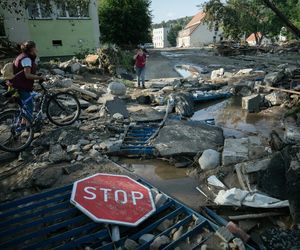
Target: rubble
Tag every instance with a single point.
(209, 159)
(251, 103)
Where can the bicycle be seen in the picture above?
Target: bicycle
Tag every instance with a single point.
(17, 126)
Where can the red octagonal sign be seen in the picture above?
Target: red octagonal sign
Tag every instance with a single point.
(115, 199)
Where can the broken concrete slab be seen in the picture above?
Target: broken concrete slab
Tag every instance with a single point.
(145, 114)
(177, 138)
(117, 106)
(235, 151)
(251, 103)
(276, 98)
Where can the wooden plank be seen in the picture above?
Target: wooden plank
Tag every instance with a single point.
(281, 90)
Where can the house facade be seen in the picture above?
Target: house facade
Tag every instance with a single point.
(197, 33)
(160, 37)
(57, 29)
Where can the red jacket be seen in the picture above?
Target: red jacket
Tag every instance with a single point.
(20, 81)
(140, 61)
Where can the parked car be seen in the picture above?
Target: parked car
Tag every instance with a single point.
(148, 46)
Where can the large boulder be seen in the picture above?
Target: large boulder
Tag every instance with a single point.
(276, 98)
(235, 151)
(116, 88)
(251, 103)
(177, 138)
(184, 104)
(273, 78)
(210, 159)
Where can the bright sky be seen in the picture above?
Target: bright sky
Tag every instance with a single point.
(164, 10)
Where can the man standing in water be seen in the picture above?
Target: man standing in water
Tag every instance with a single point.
(140, 66)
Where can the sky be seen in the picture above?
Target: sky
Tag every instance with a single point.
(164, 10)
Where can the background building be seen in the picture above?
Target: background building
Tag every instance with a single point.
(197, 33)
(160, 38)
(59, 30)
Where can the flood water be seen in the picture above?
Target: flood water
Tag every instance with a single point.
(172, 181)
(238, 123)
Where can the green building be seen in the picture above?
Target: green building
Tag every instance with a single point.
(57, 29)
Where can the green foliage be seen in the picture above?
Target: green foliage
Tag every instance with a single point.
(180, 21)
(173, 34)
(126, 60)
(125, 22)
(244, 17)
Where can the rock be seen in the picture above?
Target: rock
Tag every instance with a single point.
(83, 142)
(87, 147)
(118, 116)
(73, 148)
(184, 104)
(130, 244)
(72, 168)
(178, 234)
(217, 74)
(224, 234)
(273, 78)
(160, 199)
(92, 59)
(239, 244)
(160, 242)
(75, 67)
(292, 132)
(235, 151)
(111, 146)
(251, 103)
(210, 159)
(57, 154)
(46, 177)
(244, 72)
(177, 138)
(144, 99)
(94, 153)
(165, 225)
(146, 238)
(67, 82)
(92, 109)
(277, 98)
(58, 72)
(116, 88)
(80, 157)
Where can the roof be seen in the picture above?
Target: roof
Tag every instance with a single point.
(192, 25)
(197, 19)
(251, 38)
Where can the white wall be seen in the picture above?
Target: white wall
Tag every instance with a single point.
(203, 36)
(160, 38)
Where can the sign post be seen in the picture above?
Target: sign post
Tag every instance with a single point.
(113, 199)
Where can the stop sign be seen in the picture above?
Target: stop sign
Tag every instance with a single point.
(114, 199)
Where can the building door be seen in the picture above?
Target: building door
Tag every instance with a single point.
(2, 28)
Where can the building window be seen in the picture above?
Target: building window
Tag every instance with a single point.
(57, 43)
(39, 10)
(2, 28)
(66, 11)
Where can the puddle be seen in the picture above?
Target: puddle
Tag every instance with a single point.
(236, 122)
(189, 70)
(172, 181)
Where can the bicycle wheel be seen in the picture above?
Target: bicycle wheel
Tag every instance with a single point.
(16, 131)
(63, 109)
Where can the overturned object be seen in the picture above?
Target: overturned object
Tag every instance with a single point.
(116, 88)
(238, 197)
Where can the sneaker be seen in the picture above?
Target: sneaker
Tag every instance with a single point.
(143, 87)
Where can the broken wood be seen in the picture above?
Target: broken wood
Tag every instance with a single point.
(254, 216)
(281, 90)
(84, 92)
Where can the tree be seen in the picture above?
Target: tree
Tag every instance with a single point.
(173, 34)
(125, 22)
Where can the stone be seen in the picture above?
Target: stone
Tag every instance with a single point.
(160, 242)
(239, 244)
(116, 88)
(160, 199)
(178, 234)
(235, 151)
(216, 74)
(58, 72)
(92, 109)
(251, 103)
(292, 132)
(118, 116)
(244, 72)
(111, 146)
(72, 168)
(66, 83)
(73, 148)
(165, 225)
(87, 147)
(224, 234)
(83, 142)
(146, 238)
(130, 244)
(277, 98)
(46, 177)
(92, 59)
(57, 154)
(186, 138)
(144, 99)
(272, 78)
(184, 104)
(94, 153)
(210, 159)
(75, 67)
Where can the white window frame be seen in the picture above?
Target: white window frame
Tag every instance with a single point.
(39, 13)
(73, 17)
